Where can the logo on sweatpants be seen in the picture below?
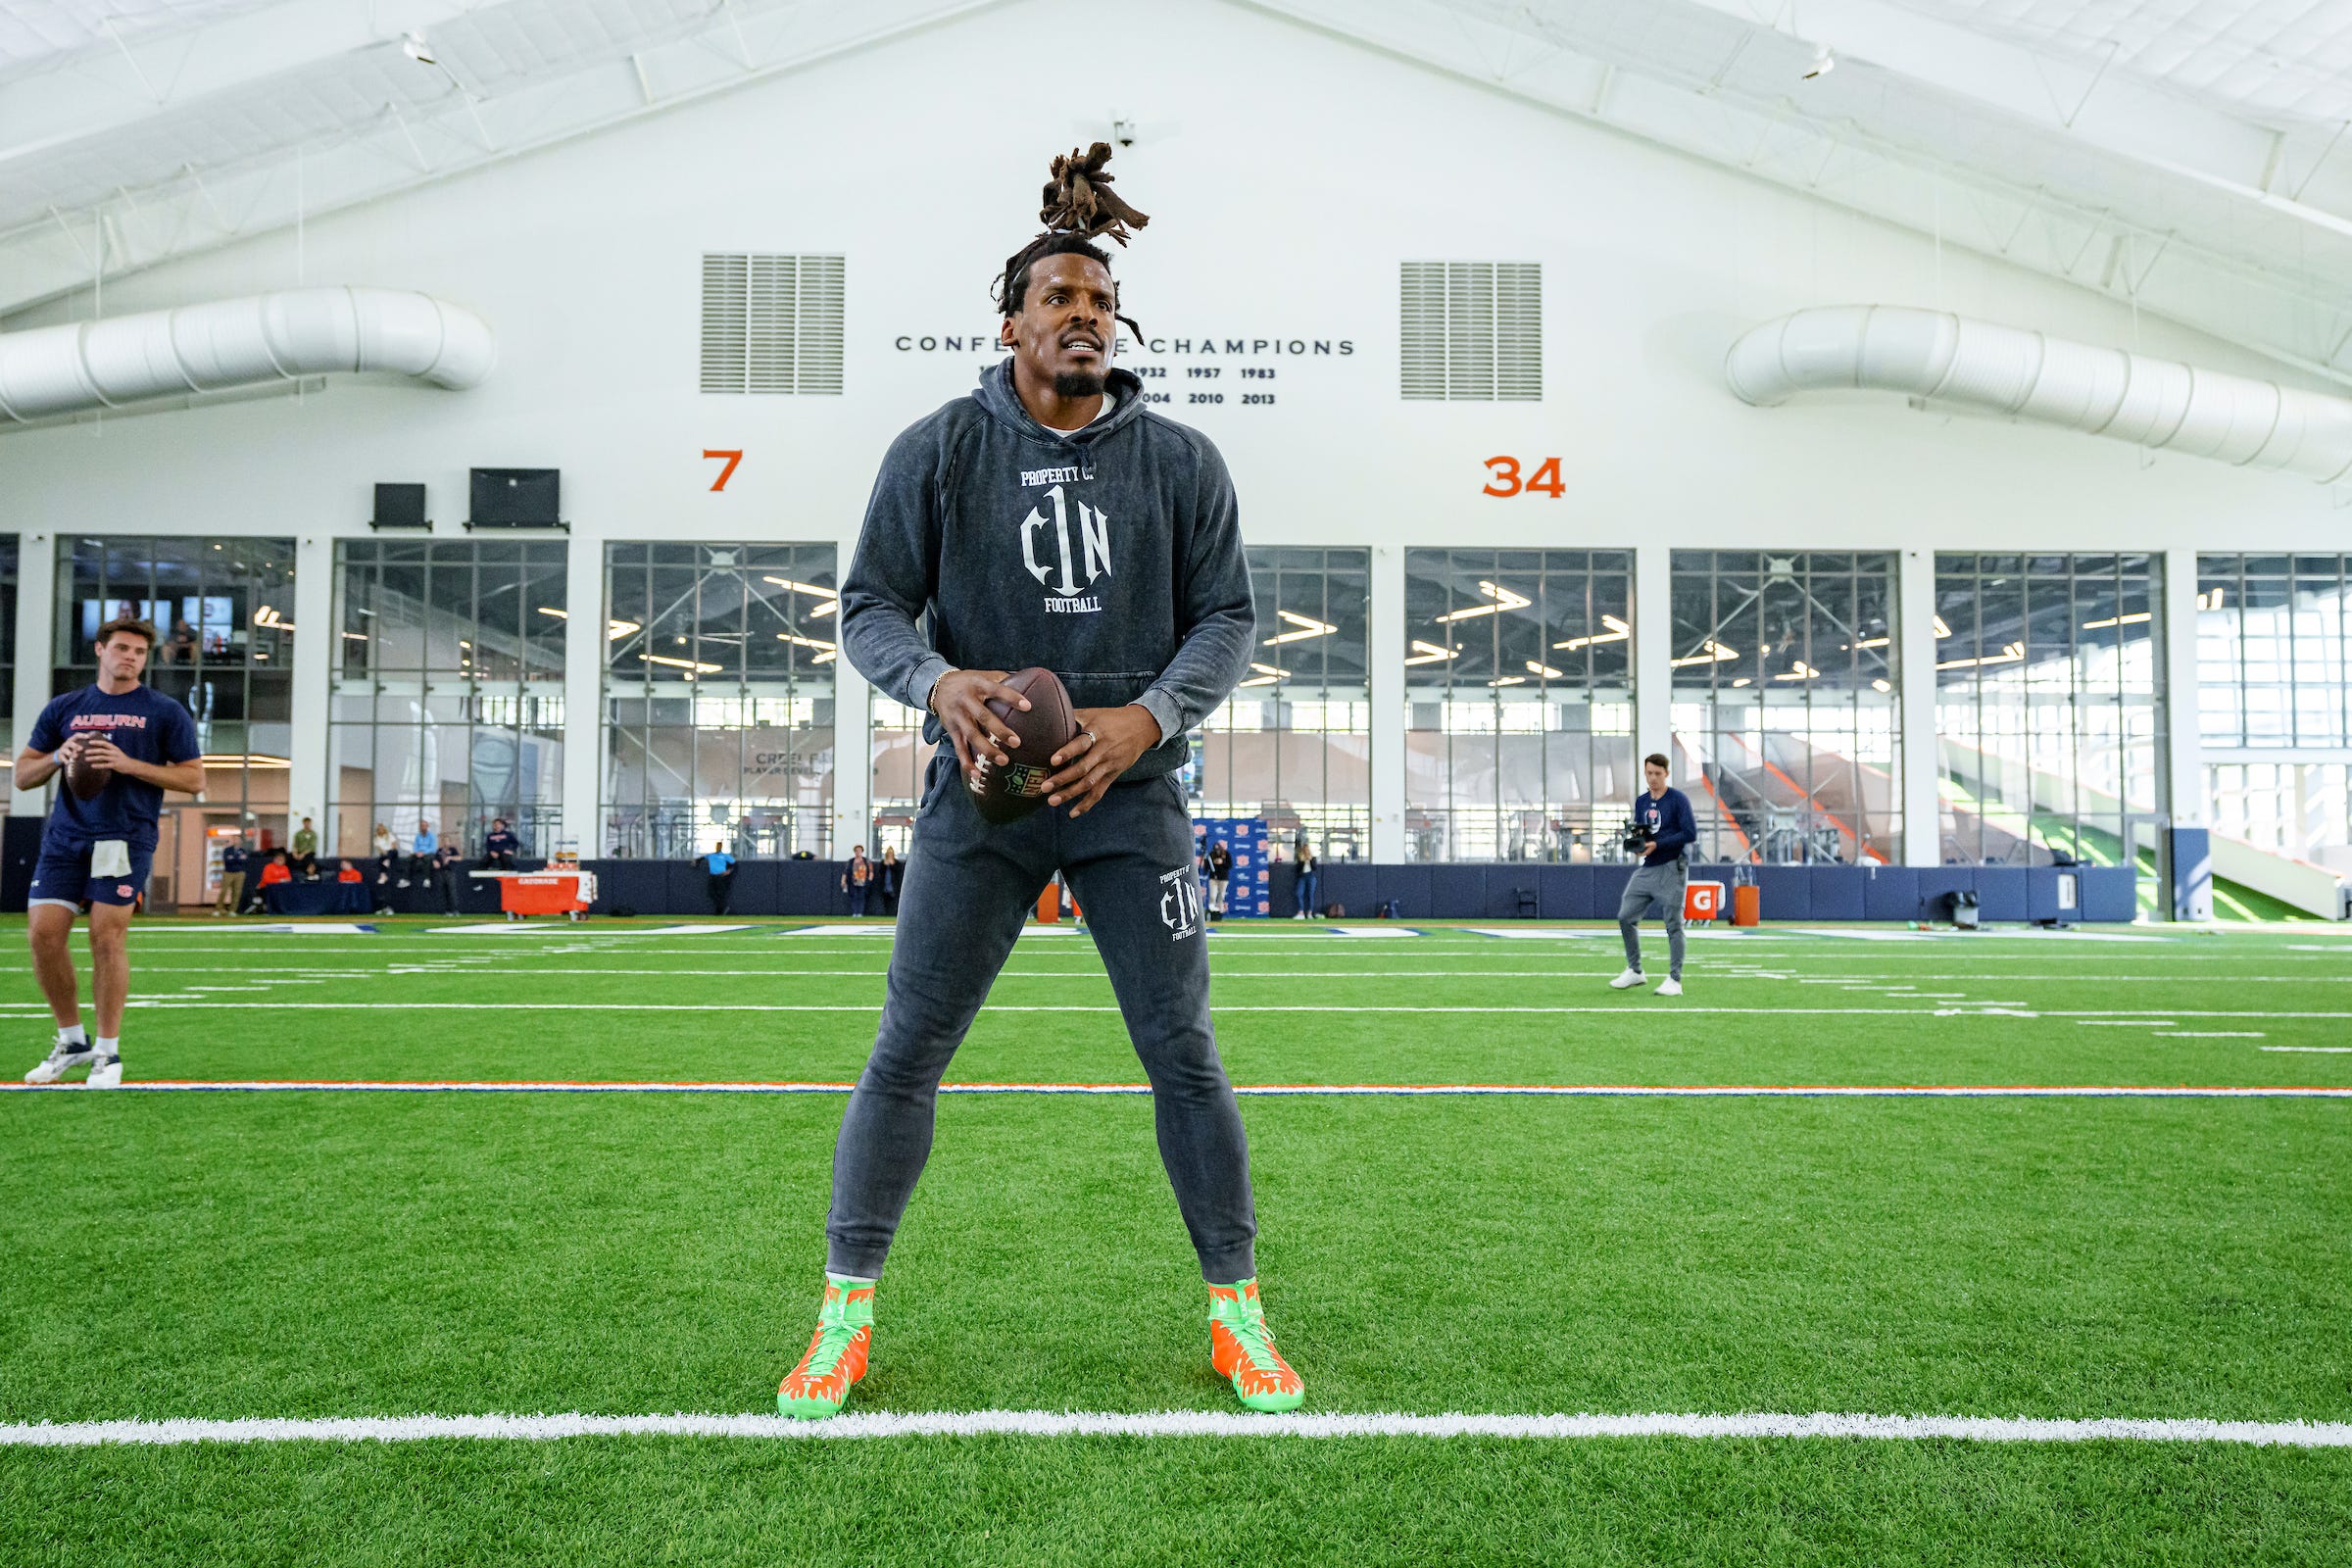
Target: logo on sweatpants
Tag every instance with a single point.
(1179, 904)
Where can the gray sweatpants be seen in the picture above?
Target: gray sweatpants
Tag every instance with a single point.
(1661, 884)
(968, 888)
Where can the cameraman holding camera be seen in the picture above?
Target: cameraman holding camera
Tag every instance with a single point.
(1662, 818)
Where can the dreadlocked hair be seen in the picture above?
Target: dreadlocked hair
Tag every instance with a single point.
(1078, 205)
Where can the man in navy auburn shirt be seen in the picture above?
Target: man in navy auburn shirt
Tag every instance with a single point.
(1662, 877)
(97, 853)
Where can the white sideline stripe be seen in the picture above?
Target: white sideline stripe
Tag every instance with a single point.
(2327, 1049)
(1962, 1009)
(1261, 1091)
(1173, 1424)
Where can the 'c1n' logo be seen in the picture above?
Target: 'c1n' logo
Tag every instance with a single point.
(1179, 904)
(1092, 551)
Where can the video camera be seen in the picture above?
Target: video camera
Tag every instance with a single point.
(1635, 840)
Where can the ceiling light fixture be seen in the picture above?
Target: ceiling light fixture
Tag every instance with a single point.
(416, 48)
(1823, 64)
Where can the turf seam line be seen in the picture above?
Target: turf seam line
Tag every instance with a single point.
(1176, 1424)
(1304, 1091)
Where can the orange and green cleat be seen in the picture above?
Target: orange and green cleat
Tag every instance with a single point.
(1243, 1348)
(845, 1330)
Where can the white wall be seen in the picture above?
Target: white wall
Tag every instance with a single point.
(1286, 174)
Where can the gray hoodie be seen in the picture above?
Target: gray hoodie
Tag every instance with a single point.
(1111, 556)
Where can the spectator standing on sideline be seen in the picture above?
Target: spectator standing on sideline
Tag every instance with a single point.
(421, 850)
(306, 850)
(1307, 883)
(886, 881)
(718, 867)
(232, 878)
(387, 849)
(1221, 869)
(857, 880)
(499, 847)
(445, 876)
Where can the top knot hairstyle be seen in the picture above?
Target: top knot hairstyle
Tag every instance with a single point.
(1078, 205)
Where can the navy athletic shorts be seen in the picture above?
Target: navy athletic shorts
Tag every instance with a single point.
(63, 877)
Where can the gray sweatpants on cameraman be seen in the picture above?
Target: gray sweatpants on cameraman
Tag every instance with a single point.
(968, 888)
(1661, 884)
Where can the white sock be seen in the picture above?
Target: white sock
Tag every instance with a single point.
(110, 1046)
(72, 1036)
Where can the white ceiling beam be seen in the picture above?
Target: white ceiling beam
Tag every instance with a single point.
(1725, 111)
(199, 209)
(100, 90)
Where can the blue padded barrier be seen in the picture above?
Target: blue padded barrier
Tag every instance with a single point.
(1567, 893)
(1408, 885)
(1839, 892)
(1891, 893)
(1457, 892)
(2001, 893)
(1608, 889)
(2110, 892)
(1352, 885)
(1786, 892)
(1934, 881)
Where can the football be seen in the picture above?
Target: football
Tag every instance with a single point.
(87, 780)
(1009, 794)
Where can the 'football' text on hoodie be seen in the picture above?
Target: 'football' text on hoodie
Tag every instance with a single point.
(1109, 554)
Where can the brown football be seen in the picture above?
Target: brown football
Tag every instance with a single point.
(1009, 794)
(86, 779)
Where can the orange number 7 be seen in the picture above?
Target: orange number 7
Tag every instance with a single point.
(725, 474)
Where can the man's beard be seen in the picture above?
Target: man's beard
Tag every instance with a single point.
(1079, 383)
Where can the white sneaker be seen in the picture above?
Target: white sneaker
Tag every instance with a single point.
(106, 1073)
(1628, 979)
(61, 1059)
(1672, 988)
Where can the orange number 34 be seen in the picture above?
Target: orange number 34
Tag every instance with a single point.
(1505, 480)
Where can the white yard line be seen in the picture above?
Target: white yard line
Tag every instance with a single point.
(1175, 1424)
(1658, 1008)
(1258, 1090)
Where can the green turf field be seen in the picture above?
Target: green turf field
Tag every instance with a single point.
(341, 1251)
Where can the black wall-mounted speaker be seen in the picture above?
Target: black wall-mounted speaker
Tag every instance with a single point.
(516, 498)
(399, 506)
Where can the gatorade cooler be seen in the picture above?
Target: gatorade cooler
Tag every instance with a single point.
(1747, 904)
(1702, 903)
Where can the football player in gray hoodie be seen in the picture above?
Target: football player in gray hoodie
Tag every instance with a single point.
(1048, 518)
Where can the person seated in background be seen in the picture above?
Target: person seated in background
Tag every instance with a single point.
(500, 847)
(387, 849)
(275, 872)
(232, 878)
(348, 873)
(180, 647)
(306, 850)
(421, 850)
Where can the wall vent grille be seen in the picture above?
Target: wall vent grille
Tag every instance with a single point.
(772, 323)
(1472, 332)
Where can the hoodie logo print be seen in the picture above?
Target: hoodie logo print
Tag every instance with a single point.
(1090, 549)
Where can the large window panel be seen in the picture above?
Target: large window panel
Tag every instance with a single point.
(1519, 741)
(222, 610)
(2049, 710)
(447, 699)
(1785, 710)
(2275, 700)
(718, 695)
(1293, 743)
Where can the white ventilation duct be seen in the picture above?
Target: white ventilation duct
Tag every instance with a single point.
(226, 344)
(2005, 370)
